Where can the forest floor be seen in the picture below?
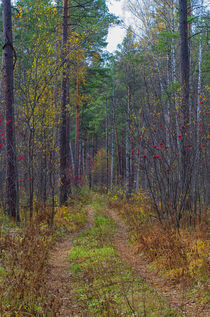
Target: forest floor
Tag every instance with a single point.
(128, 287)
(59, 279)
(173, 294)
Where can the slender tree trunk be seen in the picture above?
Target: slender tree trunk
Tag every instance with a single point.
(197, 179)
(112, 158)
(77, 132)
(107, 150)
(64, 187)
(185, 70)
(31, 172)
(11, 166)
(184, 58)
(128, 144)
(72, 158)
(119, 154)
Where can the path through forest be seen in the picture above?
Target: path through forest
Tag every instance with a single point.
(60, 277)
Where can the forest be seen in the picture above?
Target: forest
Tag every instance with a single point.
(104, 159)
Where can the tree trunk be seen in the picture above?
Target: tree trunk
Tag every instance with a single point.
(77, 132)
(107, 150)
(64, 187)
(184, 59)
(128, 145)
(112, 158)
(185, 67)
(11, 166)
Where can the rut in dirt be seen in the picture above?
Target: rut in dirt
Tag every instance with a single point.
(59, 280)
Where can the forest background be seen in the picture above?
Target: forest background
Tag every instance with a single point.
(123, 121)
(132, 124)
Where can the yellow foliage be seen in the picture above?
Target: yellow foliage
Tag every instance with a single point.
(69, 217)
(197, 258)
(183, 255)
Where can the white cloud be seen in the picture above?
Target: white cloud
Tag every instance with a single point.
(116, 33)
(115, 36)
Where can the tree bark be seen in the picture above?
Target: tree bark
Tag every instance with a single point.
(185, 70)
(128, 144)
(8, 86)
(184, 59)
(77, 132)
(64, 187)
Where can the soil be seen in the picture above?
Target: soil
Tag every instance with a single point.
(59, 280)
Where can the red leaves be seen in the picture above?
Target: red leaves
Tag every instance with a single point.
(1, 145)
(144, 156)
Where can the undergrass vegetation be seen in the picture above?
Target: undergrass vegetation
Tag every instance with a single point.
(183, 257)
(24, 264)
(103, 284)
(24, 259)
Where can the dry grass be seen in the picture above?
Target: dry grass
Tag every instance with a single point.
(181, 256)
(24, 258)
(23, 290)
